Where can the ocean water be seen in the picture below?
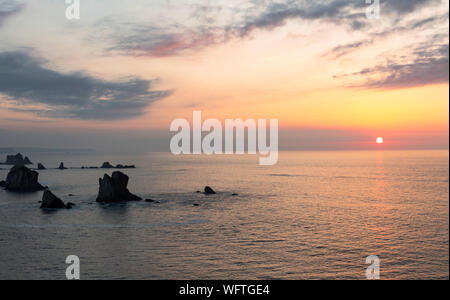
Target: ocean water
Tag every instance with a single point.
(314, 215)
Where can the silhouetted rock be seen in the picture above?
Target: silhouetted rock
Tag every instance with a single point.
(209, 191)
(107, 165)
(40, 166)
(234, 194)
(61, 166)
(50, 201)
(114, 189)
(22, 179)
(3, 183)
(125, 167)
(17, 160)
(150, 200)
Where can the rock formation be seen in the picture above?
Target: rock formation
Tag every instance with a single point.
(3, 183)
(209, 191)
(107, 165)
(40, 166)
(22, 179)
(50, 201)
(17, 160)
(125, 167)
(114, 189)
(61, 166)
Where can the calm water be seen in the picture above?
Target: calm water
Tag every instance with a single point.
(315, 215)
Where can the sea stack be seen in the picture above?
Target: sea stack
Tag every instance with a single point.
(40, 166)
(61, 166)
(50, 201)
(22, 179)
(17, 160)
(114, 189)
(209, 191)
(107, 165)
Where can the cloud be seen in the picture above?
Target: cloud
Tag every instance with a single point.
(215, 24)
(402, 7)
(430, 66)
(25, 81)
(9, 8)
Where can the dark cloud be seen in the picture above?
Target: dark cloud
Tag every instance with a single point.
(9, 8)
(377, 36)
(24, 80)
(402, 7)
(431, 66)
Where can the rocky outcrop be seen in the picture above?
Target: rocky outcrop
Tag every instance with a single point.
(17, 160)
(50, 201)
(22, 179)
(61, 166)
(114, 189)
(125, 167)
(209, 191)
(107, 165)
(41, 166)
(3, 183)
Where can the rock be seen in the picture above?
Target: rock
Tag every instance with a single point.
(40, 166)
(195, 204)
(50, 201)
(125, 167)
(234, 194)
(114, 189)
(107, 165)
(198, 192)
(17, 160)
(209, 191)
(70, 195)
(3, 183)
(149, 200)
(61, 166)
(22, 179)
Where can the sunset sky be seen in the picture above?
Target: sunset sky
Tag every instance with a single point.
(117, 77)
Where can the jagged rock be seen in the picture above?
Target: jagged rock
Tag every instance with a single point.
(50, 201)
(209, 191)
(61, 166)
(22, 179)
(3, 183)
(17, 160)
(107, 165)
(114, 189)
(40, 166)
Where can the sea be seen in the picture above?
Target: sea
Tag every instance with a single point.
(313, 215)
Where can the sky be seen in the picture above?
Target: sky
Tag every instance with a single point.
(116, 78)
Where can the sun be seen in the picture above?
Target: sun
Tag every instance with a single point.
(380, 140)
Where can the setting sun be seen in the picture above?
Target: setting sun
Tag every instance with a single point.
(380, 140)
